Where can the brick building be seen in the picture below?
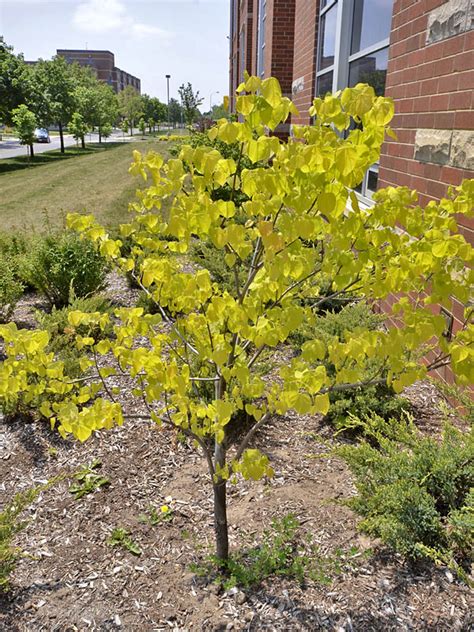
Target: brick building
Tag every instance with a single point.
(103, 63)
(419, 52)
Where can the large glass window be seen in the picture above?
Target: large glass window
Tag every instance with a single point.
(371, 69)
(353, 48)
(371, 23)
(328, 38)
(324, 84)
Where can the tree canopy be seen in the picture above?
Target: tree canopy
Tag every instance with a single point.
(293, 236)
(190, 102)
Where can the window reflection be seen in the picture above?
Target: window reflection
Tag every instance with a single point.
(328, 38)
(324, 84)
(371, 69)
(371, 24)
(372, 179)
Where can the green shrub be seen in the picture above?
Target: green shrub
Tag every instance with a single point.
(335, 324)
(207, 256)
(9, 527)
(284, 553)
(63, 265)
(62, 334)
(11, 288)
(227, 150)
(415, 492)
(380, 399)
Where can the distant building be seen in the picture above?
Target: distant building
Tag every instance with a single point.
(103, 63)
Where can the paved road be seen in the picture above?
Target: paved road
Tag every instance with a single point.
(12, 148)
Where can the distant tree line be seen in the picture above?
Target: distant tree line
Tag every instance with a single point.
(70, 97)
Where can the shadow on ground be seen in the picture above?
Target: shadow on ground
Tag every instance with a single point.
(8, 165)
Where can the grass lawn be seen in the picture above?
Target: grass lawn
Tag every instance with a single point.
(92, 181)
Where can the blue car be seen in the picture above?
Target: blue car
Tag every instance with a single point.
(42, 135)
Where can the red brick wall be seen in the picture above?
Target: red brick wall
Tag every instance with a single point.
(304, 64)
(279, 44)
(432, 86)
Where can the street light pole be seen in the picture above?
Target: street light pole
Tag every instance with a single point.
(210, 100)
(168, 77)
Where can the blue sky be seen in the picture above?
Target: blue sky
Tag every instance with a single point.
(150, 38)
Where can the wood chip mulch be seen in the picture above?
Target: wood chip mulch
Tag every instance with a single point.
(70, 578)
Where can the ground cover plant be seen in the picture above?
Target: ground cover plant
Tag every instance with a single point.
(415, 492)
(194, 363)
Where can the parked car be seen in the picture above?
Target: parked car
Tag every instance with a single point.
(42, 135)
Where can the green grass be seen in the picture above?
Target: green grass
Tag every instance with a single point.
(94, 180)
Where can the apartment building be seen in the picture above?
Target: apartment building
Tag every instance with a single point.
(103, 63)
(419, 52)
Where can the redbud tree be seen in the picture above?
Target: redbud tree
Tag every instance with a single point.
(288, 228)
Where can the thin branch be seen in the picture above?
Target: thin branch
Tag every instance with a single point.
(165, 316)
(106, 388)
(250, 434)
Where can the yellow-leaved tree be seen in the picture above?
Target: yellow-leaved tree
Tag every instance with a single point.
(289, 225)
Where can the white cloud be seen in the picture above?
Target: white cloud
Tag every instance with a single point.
(148, 29)
(102, 16)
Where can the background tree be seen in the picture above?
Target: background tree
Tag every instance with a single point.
(175, 112)
(130, 105)
(25, 125)
(190, 102)
(106, 130)
(142, 126)
(78, 128)
(125, 126)
(98, 105)
(292, 238)
(15, 82)
(218, 112)
(54, 92)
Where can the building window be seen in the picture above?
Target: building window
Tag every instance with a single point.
(353, 48)
(262, 19)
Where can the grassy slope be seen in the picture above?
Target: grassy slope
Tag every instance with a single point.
(97, 182)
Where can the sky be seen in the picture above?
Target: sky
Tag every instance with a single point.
(150, 38)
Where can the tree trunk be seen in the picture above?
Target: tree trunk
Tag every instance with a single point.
(100, 134)
(32, 151)
(220, 507)
(61, 136)
(83, 142)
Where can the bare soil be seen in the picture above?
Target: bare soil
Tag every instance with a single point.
(72, 579)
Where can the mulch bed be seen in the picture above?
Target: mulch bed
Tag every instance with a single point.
(72, 579)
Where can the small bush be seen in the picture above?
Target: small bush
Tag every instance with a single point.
(207, 256)
(226, 150)
(63, 335)
(380, 400)
(415, 492)
(282, 553)
(12, 251)
(61, 266)
(336, 324)
(9, 527)
(11, 288)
